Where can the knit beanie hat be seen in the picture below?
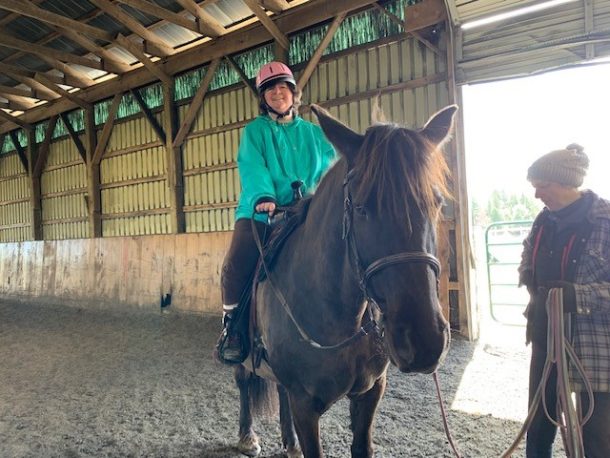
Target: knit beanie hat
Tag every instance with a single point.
(565, 166)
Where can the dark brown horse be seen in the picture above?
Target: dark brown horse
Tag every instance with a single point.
(355, 285)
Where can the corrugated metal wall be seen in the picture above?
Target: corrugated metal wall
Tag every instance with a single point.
(64, 187)
(135, 196)
(211, 181)
(15, 210)
(561, 36)
(368, 70)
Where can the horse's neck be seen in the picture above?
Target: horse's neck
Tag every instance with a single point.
(322, 251)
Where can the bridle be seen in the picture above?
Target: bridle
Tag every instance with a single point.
(365, 274)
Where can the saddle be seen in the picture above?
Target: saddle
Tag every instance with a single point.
(244, 321)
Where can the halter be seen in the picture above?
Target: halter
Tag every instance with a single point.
(364, 275)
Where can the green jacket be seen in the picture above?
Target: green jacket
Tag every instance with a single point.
(272, 155)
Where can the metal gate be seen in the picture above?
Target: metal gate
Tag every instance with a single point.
(503, 246)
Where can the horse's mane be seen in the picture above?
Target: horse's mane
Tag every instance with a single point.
(398, 167)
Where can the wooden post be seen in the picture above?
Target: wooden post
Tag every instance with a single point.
(175, 178)
(94, 196)
(35, 188)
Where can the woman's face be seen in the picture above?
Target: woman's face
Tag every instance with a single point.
(554, 195)
(279, 97)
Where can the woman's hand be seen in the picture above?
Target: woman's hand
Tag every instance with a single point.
(265, 207)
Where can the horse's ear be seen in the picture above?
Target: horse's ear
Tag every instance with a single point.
(342, 137)
(439, 126)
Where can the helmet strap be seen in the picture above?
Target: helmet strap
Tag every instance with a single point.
(278, 114)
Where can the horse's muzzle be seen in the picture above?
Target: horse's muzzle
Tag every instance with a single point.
(411, 353)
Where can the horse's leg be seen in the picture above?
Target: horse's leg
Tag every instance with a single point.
(307, 423)
(248, 440)
(289, 437)
(362, 412)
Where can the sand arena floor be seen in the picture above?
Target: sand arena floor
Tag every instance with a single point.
(93, 383)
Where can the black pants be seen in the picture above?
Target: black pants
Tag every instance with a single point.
(240, 261)
(541, 433)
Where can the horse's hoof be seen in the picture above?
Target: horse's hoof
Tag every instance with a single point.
(248, 445)
(294, 452)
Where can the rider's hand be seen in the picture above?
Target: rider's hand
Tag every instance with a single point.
(268, 207)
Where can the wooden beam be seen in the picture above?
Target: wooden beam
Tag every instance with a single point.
(14, 120)
(149, 64)
(424, 14)
(18, 103)
(37, 88)
(100, 148)
(208, 26)
(110, 63)
(242, 75)
(45, 147)
(46, 52)
(195, 105)
(54, 87)
(317, 55)
(46, 16)
(154, 44)
(74, 136)
(157, 11)
(418, 36)
(275, 32)
(277, 6)
(12, 16)
(295, 19)
(75, 75)
(16, 91)
(24, 72)
(148, 114)
(20, 151)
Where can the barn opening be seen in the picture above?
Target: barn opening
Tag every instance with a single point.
(507, 125)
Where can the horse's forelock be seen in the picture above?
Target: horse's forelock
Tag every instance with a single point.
(397, 167)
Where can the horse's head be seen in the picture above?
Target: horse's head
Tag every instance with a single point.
(394, 189)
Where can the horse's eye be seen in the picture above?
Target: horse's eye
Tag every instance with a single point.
(360, 210)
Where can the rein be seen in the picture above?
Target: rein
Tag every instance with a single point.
(364, 275)
(363, 331)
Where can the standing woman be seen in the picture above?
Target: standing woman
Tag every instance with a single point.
(569, 248)
(278, 148)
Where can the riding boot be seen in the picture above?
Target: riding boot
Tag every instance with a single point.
(230, 345)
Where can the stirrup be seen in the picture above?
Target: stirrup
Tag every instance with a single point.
(231, 354)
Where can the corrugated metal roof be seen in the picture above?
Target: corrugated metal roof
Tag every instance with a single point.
(41, 32)
(564, 35)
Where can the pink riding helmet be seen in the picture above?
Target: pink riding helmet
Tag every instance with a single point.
(271, 73)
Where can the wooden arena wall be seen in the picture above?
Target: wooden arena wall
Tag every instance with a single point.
(408, 78)
(114, 272)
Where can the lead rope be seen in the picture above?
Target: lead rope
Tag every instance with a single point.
(558, 352)
(444, 415)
